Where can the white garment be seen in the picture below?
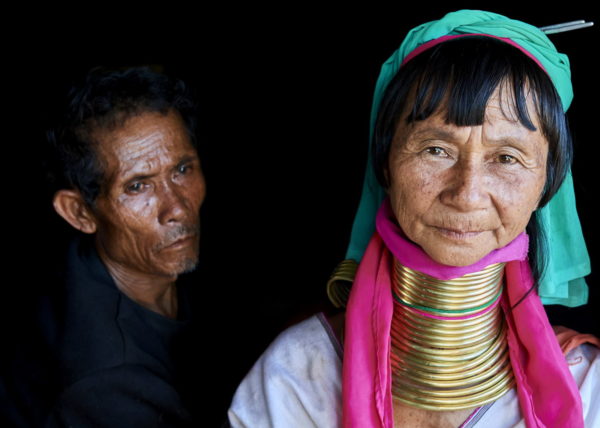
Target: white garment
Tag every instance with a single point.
(297, 383)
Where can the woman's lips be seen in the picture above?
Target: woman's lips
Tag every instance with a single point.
(459, 235)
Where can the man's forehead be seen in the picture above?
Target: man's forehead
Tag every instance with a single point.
(144, 142)
(133, 146)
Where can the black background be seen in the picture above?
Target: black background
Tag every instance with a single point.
(285, 99)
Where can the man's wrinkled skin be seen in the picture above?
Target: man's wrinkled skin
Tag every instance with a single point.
(462, 192)
(146, 218)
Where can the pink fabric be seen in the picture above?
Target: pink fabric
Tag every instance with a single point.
(422, 48)
(366, 375)
(548, 395)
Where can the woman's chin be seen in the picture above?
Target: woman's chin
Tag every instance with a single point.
(456, 257)
(454, 249)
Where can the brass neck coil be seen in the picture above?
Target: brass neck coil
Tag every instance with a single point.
(449, 348)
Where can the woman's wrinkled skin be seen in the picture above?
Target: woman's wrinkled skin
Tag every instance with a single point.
(461, 192)
(147, 215)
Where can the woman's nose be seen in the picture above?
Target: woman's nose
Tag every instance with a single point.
(466, 190)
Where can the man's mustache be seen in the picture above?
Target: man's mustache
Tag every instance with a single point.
(180, 232)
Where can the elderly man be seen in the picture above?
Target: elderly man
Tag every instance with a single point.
(127, 177)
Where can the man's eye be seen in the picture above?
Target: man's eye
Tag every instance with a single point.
(507, 159)
(436, 151)
(136, 187)
(184, 169)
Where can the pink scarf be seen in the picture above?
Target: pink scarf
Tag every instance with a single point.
(547, 392)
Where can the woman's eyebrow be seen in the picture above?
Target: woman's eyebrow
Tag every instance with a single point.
(434, 132)
(447, 134)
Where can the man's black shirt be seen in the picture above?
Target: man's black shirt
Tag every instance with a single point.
(97, 358)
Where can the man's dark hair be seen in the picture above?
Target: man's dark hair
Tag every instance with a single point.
(104, 101)
(459, 76)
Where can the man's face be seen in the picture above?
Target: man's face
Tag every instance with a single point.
(148, 212)
(462, 191)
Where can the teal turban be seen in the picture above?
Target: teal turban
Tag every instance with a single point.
(567, 259)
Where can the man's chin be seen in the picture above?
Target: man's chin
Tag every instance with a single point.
(184, 262)
(185, 265)
(188, 266)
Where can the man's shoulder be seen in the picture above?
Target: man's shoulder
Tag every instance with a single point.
(74, 328)
(127, 394)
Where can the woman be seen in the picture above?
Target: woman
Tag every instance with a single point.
(443, 326)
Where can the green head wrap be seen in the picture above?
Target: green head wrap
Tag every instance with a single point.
(567, 258)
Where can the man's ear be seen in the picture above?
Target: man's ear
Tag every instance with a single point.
(69, 204)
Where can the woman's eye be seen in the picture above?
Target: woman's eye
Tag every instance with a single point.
(436, 151)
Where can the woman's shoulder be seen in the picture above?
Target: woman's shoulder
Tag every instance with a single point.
(295, 382)
(312, 338)
(308, 350)
(584, 363)
(582, 353)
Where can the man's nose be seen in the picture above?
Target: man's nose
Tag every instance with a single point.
(466, 188)
(172, 204)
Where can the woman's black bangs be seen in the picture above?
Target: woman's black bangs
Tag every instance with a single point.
(461, 77)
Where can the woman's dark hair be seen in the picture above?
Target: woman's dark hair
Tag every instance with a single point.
(104, 101)
(459, 76)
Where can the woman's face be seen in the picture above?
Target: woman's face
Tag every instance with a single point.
(462, 191)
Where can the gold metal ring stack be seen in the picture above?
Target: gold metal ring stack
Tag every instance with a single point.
(448, 351)
(340, 283)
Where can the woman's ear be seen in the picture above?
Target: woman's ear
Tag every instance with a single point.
(386, 175)
(537, 204)
(70, 205)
